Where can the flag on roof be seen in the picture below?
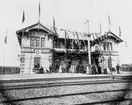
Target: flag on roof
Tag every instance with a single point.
(119, 31)
(126, 44)
(109, 20)
(39, 9)
(86, 23)
(5, 40)
(54, 28)
(100, 29)
(23, 17)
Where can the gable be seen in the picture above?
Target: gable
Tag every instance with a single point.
(37, 26)
(114, 37)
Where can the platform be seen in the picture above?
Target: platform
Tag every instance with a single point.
(58, 75)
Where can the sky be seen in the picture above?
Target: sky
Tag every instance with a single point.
(69, 14)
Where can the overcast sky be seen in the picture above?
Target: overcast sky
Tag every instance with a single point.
(69, 14)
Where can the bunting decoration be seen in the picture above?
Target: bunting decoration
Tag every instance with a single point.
(97, 36)
(78, 42)
(82, 35)
(75, 37)
(66, 37)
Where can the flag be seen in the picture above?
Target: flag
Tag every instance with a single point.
(126, 44)
(65, 39)
(119, 31)
(39, 9)
(5, 40)
(86, 22)
(109, 20)
(54, 28)
(96, 34)
(75, 37)
(81, 34)
(23, 17)
(100, 29)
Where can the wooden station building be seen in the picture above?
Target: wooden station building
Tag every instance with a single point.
(65, 50)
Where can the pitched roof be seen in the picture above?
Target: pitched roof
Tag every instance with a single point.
(37, 26)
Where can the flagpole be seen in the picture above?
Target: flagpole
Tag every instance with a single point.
(109, 24)
(66, 49)
(39, 13)
(3, 59)
(89, 52)
(65, 45)
(5, 40)
(88, 70)
(53, 60)
(22, 56)
(100, 29)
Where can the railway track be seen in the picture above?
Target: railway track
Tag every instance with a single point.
(66, 82)
(58, 84)
(55, 82)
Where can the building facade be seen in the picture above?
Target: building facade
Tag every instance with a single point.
(65, 50)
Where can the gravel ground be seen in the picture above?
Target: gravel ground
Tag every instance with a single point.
(73, 99)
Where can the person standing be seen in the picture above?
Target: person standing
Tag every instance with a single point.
(41, 70)
(118, 69)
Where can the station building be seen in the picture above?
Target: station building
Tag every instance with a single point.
(64, 50)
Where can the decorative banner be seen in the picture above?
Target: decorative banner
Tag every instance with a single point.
(75, 37)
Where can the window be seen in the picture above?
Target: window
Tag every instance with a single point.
(42, 42)
(37, 62)
(111, 46)
(104, 46)
(37, 42)
(32, 42)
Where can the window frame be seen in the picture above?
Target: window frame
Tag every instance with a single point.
(43, 45)
(37, 41)
(32, 42)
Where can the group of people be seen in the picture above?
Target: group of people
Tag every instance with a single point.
(41, 70)
(94, 69)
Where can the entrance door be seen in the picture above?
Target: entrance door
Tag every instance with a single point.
(37, 63)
